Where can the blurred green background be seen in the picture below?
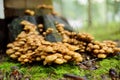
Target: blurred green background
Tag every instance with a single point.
(97, 11)
(101, 18)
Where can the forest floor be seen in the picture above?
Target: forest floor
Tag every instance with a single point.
(100, 69)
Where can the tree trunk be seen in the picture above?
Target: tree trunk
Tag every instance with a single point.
(17, 7)
(114, 10)
(106, 12)
(89, 14)
(62, 7)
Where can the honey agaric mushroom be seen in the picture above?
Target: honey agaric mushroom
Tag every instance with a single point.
(10, 45)
(38, 59)
(17, 53)
(10, 51)
(29, 12)
(50, 59)
(101, 55)
(59, 61)
(13, 56)
(30, 45)
(67, 57)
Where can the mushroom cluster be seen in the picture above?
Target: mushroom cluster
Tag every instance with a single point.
(80, 40)
(103, 49)
(31, 46)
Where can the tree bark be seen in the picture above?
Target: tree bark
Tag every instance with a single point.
(17, 7)
(89, 14)
(114, 10)
(61, 7)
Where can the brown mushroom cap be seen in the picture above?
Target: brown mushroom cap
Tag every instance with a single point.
(10, 45)
(38, 59)
(101, 55)
(67, 57)
(109, 50)
(29, 12)
(50, 59)
(79, 59)
(13, 56)
(59, 61)
(17, 53)
(95, 51)
(26, 60)
(10, 51)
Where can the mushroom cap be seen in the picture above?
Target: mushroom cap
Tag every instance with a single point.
(10, 51)
(18, 53)
(101, 55)
(96, 46)
(13, 56)
(29, 12)
(10, 45)
(67, 57)
(95, 51)
(79, 59)
(26, 60)
(38, 59)
(109, 50)
(59, 61)
(50, 58)
(23, 56)
(102, 51)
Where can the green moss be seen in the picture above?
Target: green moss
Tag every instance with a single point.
(105, 65)
(6, 65)
(38, 71)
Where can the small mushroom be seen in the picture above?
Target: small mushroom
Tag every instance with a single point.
(95, 51)
(17, 53)
(38, 59)
(10, 45)
(29, 12)
(101, 55)
(13, 56)
(59, 61)
(96, 47)
(26, 60)
(101, 51)
(67, 57)
(23, 56)
(50, 59)
(109, 50)
(10, 51)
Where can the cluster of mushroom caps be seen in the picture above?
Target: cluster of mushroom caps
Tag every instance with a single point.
(30, 45)
(103, 49)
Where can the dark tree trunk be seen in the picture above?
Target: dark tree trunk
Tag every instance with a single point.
(3, 36)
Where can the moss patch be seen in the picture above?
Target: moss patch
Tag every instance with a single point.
(54, 72)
